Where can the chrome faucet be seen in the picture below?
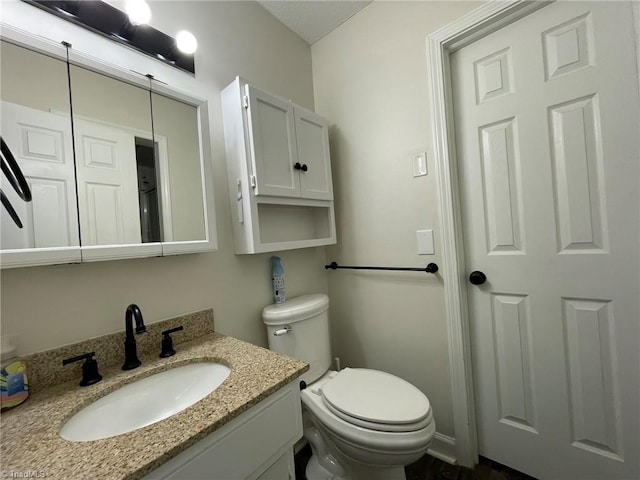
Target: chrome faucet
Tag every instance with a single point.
(131, 360)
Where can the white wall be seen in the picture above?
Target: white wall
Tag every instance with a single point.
(371, 81)
(44, 307)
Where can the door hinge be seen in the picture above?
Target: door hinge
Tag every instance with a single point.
(245, 101)
(253, 181)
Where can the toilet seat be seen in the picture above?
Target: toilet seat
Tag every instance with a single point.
(376, 400)
(368, 439)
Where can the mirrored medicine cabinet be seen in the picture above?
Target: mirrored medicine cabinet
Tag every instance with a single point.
(117, 163)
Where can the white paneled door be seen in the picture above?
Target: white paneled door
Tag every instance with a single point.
(42, 145)
(107, 184)
(547, 138)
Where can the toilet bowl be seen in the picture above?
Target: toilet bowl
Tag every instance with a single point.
(372, 436)
(362, 424)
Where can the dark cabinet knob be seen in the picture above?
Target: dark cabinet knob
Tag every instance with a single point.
(477, 278)
(297, 166)
(304, 167)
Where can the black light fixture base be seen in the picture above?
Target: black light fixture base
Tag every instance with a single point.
(102, 18)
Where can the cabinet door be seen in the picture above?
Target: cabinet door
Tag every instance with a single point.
(273, 144)
(282, 469)
(312, 134)
(36, 128)
(257, 444)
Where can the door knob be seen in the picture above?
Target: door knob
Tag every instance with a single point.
(304, 167)
(297, 166)
(477, 278)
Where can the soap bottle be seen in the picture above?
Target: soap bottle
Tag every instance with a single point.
(277, 277)
(14, 386)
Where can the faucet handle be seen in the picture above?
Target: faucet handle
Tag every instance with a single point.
(167, 342)
(90, 374)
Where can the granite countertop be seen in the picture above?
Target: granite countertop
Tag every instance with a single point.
(32, 445)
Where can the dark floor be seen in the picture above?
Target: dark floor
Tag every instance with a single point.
(430, 468)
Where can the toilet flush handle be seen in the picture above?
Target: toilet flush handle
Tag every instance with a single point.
(283, 331)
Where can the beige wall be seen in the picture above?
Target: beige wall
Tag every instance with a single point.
(33, 80)
(178, 123)
(105, 99)
(371, 82)
(44, 307)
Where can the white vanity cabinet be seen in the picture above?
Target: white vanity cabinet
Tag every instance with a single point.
(256, 445)
(279, 171)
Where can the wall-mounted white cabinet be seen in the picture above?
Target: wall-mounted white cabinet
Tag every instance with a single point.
(279, 171)
(289, 147)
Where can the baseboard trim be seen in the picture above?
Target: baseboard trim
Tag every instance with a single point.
(443, 448)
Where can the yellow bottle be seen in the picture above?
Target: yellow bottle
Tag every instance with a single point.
(14, 385)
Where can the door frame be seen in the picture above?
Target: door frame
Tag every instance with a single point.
(473, 26)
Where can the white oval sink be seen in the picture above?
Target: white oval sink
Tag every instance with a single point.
(144, 402)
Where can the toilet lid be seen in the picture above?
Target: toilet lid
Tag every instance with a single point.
(375, 399)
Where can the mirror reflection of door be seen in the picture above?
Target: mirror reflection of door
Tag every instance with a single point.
(112, 128)
(107, 184)
(36, 127)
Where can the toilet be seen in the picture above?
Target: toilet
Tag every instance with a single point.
(362, 424)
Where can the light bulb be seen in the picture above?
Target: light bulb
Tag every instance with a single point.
(138, 11)
(186, 42)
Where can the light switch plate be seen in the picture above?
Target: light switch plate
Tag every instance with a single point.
(425, 242)
(419, 162)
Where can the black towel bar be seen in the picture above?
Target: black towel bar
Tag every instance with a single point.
(431, 268)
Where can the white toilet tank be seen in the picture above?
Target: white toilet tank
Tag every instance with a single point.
(299, 328)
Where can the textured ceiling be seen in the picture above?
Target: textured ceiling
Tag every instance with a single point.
(313, 19)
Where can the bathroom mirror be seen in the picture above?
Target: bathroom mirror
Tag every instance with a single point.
(115, 160)
(137, 181)
(36, 127)
(175, 126)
